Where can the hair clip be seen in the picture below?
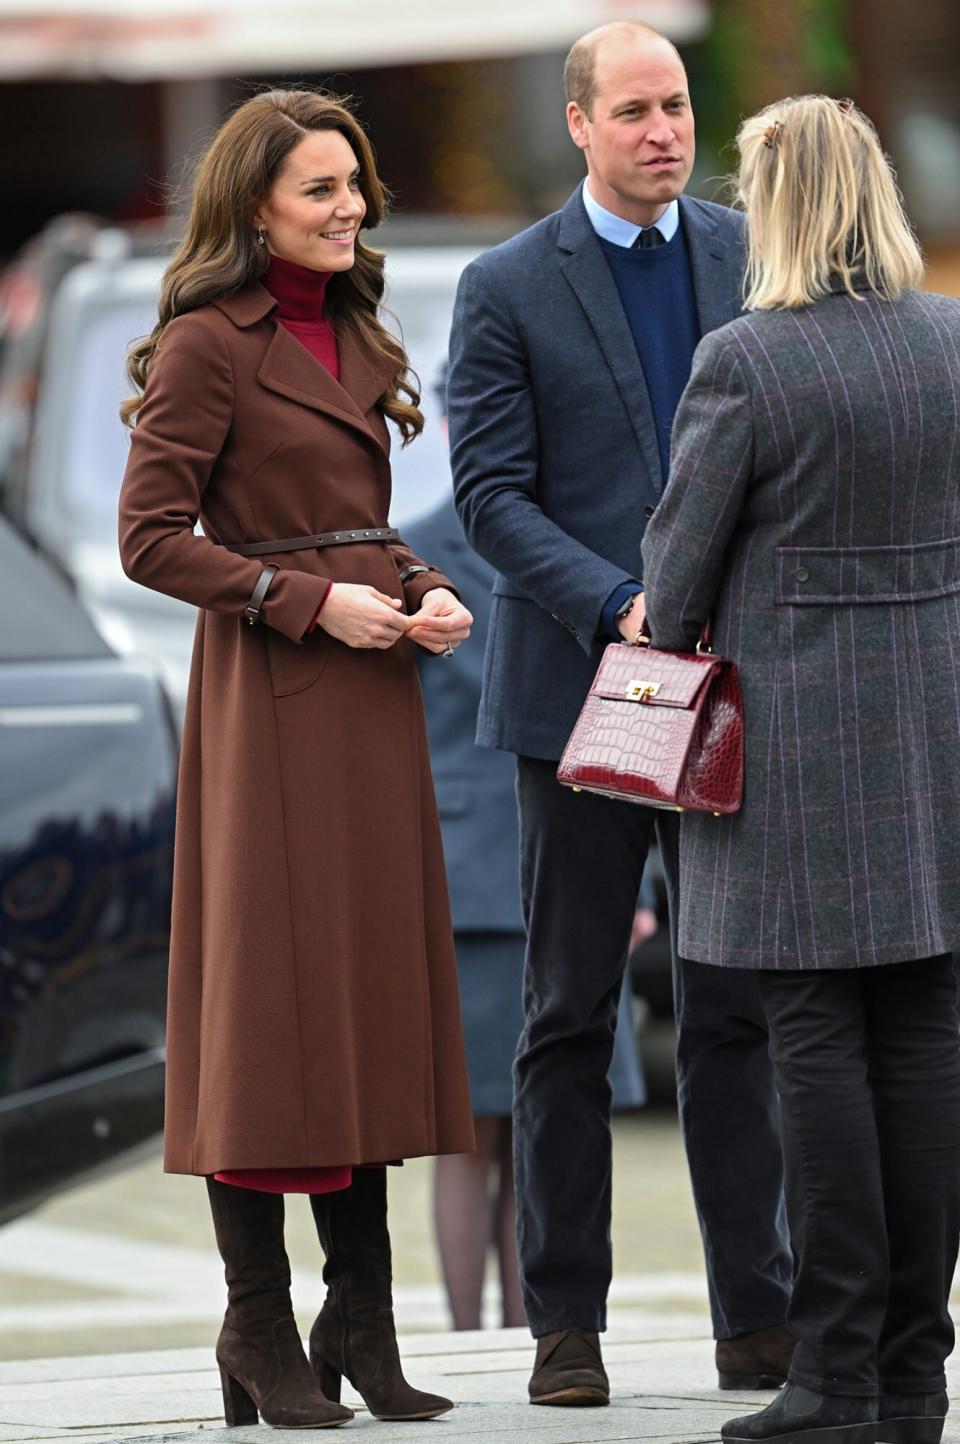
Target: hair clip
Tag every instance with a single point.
(771, 136)
(845, 105)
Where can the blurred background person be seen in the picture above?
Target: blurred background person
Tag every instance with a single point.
(474, 1201)
(813, 511)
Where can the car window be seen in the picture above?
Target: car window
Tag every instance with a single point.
(97, 454)
(419, 312)
(42, 620)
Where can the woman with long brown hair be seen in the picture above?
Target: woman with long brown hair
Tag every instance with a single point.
(314, 1032)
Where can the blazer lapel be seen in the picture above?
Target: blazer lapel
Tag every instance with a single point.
(717, 267)
(585, 268)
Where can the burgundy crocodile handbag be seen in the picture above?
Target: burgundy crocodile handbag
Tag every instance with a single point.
(661, 728)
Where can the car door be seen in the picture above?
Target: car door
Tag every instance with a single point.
(87, 769)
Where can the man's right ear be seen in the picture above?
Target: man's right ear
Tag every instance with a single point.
(577, 125)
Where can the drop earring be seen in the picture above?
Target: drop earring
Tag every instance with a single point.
(260, 235)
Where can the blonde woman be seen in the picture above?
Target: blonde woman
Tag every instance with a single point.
(314, 1029)
(813, 510)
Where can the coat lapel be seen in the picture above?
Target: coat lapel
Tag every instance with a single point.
(717, 267)
(363, 376)
(585, 268)
(290, 370)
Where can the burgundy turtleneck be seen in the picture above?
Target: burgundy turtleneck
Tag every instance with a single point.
(300, 295)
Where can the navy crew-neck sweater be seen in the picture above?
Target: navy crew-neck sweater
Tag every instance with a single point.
(656, 289)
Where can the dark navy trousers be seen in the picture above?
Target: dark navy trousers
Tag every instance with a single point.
(581, 861)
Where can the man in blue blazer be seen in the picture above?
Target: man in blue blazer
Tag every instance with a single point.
(571, 345)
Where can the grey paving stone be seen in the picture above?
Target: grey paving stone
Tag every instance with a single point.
(664, 1393)
(102, 1366)
(13, 1433)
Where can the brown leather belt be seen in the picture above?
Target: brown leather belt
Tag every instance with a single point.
(321, 539)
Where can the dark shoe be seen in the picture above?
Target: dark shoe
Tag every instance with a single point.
(263, 1368)
(760, 1360)
(569, 1370)
(912, 1418)
(354, 1336)
(800, 1416)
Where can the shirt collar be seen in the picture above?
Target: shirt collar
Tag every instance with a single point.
(624, 233)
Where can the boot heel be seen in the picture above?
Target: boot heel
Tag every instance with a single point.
(238, 1407)
(910, 1431)
(749, 1381)
(328, 1378)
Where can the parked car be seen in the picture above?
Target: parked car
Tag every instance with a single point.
(28, 286)
(63, 490)
(87, 777)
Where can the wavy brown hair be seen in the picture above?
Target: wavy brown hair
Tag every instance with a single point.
(219, 252)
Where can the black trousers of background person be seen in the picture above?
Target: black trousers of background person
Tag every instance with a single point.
(581, 861)
(868, 1067)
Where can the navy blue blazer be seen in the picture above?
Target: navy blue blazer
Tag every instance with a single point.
(554, 451)
(475, 788)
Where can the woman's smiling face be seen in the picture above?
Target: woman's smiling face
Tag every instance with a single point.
(313, 213)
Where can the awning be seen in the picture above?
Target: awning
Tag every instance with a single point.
(170, 39)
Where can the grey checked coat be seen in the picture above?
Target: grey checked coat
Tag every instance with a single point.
(814, 508)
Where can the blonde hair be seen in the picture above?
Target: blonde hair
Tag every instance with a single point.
(821, 199)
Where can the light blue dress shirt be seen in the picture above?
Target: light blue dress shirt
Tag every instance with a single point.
(623, 233)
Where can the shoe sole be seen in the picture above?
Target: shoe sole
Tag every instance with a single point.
(916, 1430)
(579, 1398)
(842, 1434)
(327, 1424)
(427, 1414)
(751, 1381)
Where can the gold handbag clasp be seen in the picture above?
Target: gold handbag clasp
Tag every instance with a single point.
(639, 690)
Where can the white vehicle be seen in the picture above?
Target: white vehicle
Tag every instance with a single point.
(79, 445)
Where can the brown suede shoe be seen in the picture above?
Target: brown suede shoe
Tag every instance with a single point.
(569, 1370)
(760, 1360)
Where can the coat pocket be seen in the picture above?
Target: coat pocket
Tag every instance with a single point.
(454, 797)
(293, 667)
(854, 576)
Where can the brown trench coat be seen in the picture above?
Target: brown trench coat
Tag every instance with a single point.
(313, 1013)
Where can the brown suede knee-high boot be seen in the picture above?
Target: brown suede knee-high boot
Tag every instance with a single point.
(354, 1336)
(262, 1363)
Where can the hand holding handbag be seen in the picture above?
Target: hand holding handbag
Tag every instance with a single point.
(664, 729)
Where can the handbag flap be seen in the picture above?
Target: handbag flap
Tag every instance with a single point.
(651, 677)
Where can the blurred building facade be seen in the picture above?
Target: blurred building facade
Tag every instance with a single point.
(465, 104)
